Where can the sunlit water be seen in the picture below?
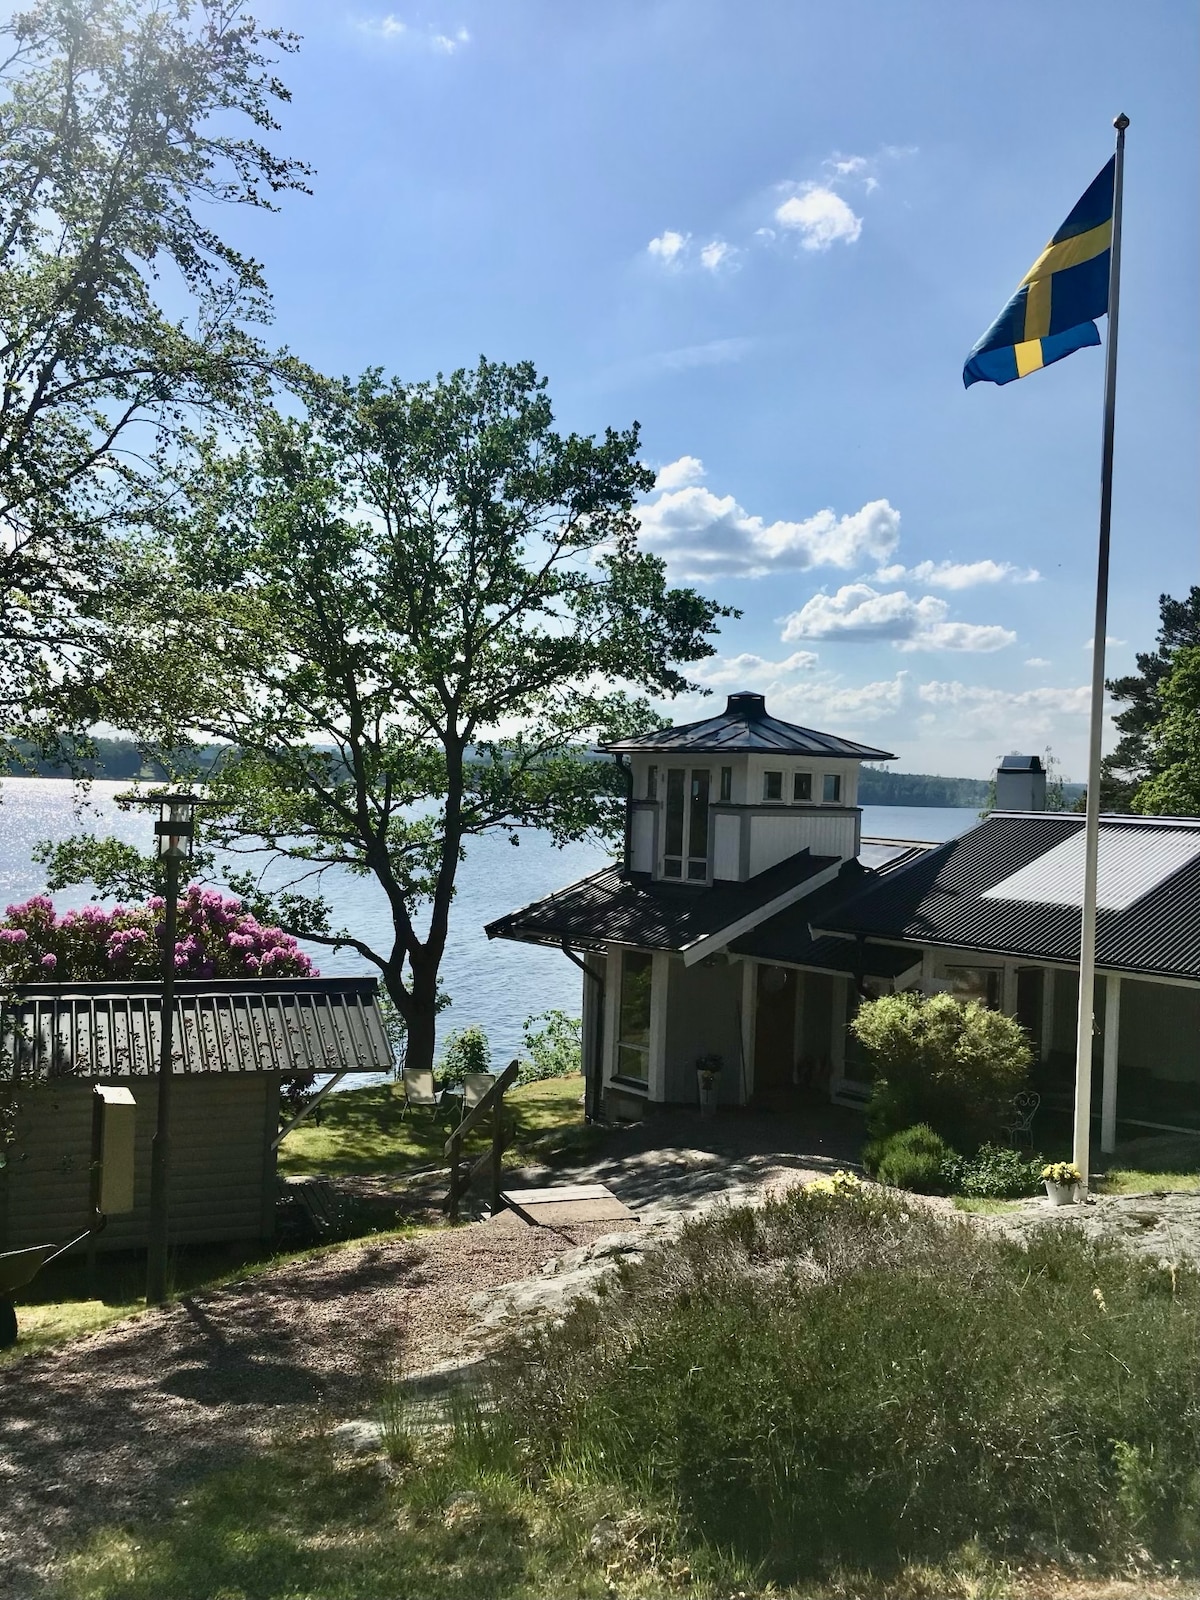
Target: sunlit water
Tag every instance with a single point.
(494, 983)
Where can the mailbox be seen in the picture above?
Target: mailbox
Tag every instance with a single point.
(116, 1113)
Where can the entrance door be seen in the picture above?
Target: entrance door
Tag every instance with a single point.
(774, 1034)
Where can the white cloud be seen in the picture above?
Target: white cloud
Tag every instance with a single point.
(848, 166)
(1108, 640)
(1037, 661)
(717, 254)
(680, 474)
(669, 247)
(820, 216)
(958, 574)
(1004, 713)
(862, 614)
(703, 535)
(392, 30)
(749, 671)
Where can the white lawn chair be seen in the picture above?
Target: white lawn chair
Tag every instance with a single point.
(475, 1085)
(419, 1091)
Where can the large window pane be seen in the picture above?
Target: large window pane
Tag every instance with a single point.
(698, 824)
(633, 1023)
(976, 983)
(673, 832)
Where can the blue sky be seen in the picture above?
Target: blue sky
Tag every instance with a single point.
(770, 232)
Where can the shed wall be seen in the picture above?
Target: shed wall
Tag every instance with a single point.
(703, 1004)
(222, 1170)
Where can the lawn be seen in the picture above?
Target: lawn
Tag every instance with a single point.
(362, 1131)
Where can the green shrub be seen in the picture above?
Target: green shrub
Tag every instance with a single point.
(553, 1041)
(466, 1050)
(998, 1173)
(952, 1064)
(850, 1380)
(916, 1158)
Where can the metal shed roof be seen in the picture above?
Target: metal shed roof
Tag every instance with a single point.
(946, 898)
(745, 727)
(112, 1030)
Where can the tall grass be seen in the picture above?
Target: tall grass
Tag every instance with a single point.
(855, 1380)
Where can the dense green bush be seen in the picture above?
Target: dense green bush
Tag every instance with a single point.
(553, 1042)
(466, 1050)
(916, 1158)
(836, 1380)
(999, 1173)
(953, 1065)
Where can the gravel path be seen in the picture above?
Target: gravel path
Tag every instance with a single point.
(105, 1429)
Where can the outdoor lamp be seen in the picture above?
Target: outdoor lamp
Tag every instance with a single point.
(175, 827)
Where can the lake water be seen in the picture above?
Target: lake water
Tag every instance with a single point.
(494, 983)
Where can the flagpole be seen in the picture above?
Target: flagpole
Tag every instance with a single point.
(1091, 831)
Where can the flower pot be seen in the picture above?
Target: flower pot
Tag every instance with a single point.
(708, 1086)
(1062, 1194)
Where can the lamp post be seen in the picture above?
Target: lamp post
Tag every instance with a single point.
(175, 829)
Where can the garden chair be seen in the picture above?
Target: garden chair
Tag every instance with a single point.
(474, 1086)
(419, 1091)
(1019, 1126)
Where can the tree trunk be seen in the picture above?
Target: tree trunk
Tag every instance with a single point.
(421, 1020)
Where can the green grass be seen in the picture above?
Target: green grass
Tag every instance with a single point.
(1135, 1180)
(982, 1207)
(361, 1131)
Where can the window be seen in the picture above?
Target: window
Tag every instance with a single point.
(687, 824)
(832, 788)
(802, 786)
(772, 785)
(726, 784)
(633, 1022)
(651, 783)
(976, 983)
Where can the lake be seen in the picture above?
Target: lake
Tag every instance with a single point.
(496, 984)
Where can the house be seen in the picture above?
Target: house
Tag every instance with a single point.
(749, 918)
(236, 1042)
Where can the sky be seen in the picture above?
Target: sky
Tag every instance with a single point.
(770, 232)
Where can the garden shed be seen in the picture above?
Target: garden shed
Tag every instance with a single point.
(237, 1042)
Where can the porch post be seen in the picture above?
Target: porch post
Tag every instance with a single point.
(837, 1045)
(612, 1002)
(749, 1005)
(1047, 1041)
(660, 978)
(1112, 1041)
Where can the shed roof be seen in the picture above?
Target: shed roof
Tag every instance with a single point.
(746, 727)
(1012, 886)
(235, 1025)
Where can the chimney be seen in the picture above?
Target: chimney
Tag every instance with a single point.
(751, 706)
(1021, 784)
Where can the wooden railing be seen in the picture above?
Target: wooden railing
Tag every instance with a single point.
(492, 1101)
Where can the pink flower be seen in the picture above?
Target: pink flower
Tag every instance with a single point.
(48, 962)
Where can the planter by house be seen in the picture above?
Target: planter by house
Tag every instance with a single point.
(708, 1084)
(1062, 1180)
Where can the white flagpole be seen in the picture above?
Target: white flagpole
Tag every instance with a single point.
(1091, 831)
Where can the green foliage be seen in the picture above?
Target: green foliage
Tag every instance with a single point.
(466, 1050)
(995, 1172)
(553, 1041)
(834, 1381)
(916, 1158)
(1173, 743)
(1140, 754)
(124, 128)
(953, 1065)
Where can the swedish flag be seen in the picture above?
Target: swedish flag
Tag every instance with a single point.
(1050, 316)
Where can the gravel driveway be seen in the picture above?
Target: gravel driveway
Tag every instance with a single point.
(109, 1427)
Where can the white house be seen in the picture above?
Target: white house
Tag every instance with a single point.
(749, 917)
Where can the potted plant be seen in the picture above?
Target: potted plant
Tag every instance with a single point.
(708, 1083)
(1062, 1180)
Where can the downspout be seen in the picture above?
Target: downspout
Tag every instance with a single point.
(591, 1080)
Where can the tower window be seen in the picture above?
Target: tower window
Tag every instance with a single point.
(651, 783)
(726, 784)
(832, 792)
(802, 786)
(772, 785)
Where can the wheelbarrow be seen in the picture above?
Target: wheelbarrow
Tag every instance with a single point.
(19, 1267)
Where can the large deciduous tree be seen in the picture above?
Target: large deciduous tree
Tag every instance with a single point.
(408, 610)
(126, 126)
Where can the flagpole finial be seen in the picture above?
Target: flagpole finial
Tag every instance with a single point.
(1121, 122)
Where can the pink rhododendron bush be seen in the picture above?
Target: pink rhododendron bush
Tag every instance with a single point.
(215, 938)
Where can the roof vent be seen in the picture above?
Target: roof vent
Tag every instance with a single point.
(750, 706)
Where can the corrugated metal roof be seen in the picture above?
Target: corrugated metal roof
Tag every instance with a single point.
(943, 898)
(745, 727)
(787, 937)
(608, 908)
(1131, 863)
(106, 1030)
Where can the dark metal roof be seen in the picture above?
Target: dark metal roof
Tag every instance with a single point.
(1020, 763)
(787, 937)
(943, 898)
(745, 727)
(649, 913)
(108, 1030)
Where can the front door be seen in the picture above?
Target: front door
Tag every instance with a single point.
(775, 1034)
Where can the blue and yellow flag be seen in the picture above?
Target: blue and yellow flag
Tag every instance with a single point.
(1050, 316)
